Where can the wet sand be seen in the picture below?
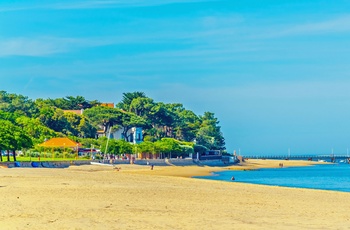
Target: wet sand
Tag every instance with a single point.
(135, 197)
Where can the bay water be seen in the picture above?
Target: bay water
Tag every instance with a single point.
(326, 177)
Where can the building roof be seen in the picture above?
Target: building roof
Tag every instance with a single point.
(63, 142)
(107, 104)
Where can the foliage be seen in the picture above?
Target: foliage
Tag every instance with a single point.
(200, 149)
(17, 103)
(35, 129)
(128, 98)
(167, 128)
(105, 118)
(209, 134)
(117, 147)
(70, 103)
(13, 138)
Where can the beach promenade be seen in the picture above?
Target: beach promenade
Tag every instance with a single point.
(135, 197)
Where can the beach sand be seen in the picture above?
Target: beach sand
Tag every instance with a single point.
(135, 197)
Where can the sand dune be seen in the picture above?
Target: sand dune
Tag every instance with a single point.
(135, 197)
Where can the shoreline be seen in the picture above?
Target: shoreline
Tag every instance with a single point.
(194, 171)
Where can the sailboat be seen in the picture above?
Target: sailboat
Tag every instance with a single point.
(103, 163)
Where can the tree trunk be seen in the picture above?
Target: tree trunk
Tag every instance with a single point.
(14, 155)
(0, 155)
(8, 155)
(125, 133)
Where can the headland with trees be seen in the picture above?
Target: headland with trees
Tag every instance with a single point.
(168, 128)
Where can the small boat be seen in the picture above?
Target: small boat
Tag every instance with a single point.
(101, 164)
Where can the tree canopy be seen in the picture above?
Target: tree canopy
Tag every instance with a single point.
(166, 126)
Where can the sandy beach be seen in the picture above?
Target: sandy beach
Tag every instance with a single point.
(135, 197)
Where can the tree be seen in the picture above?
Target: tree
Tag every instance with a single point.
(117, 147)
(209, 134)
(70, 103)
(13, 138)
(161, 120)
(86, 129)
(8, 116)
(141, 106)
(125, 147)
(54, 118)
(20, 104)
(106, 118)
(128, 121)
(79, 125)
(146, 147)
(35, 129)
(128, 98)
(46, 118)
(187, 125)
(169, 146)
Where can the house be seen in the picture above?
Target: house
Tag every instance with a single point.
(134, 135)
(61, 142)
(208, 155)
(81, 111)
(107, 104)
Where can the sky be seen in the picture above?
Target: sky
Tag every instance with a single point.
(276, 73)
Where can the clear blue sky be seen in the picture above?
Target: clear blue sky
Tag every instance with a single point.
(276, 73)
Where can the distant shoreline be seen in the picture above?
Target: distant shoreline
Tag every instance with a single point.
(193, 171)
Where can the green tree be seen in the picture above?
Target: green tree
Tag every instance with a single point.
(146, 147)
(128, 121)
(13, 138)
(209, 134)
(141, 106)
(124, 147)
(168, 146)
(106, 118)
(35, 129)
(187, 125)
(117, 147)
(20, 104)
(128, 98)
(70, 103)
(53, 118)
(161, 120)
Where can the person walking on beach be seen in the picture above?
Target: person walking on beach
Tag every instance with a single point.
(152, 167)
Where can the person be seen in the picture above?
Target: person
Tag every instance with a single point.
(152, 167)
(232, 178)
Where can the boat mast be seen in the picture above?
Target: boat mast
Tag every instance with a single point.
(109, 136)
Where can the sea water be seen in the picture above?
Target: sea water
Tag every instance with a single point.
(327, 177)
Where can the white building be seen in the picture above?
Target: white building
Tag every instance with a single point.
(134, 135)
